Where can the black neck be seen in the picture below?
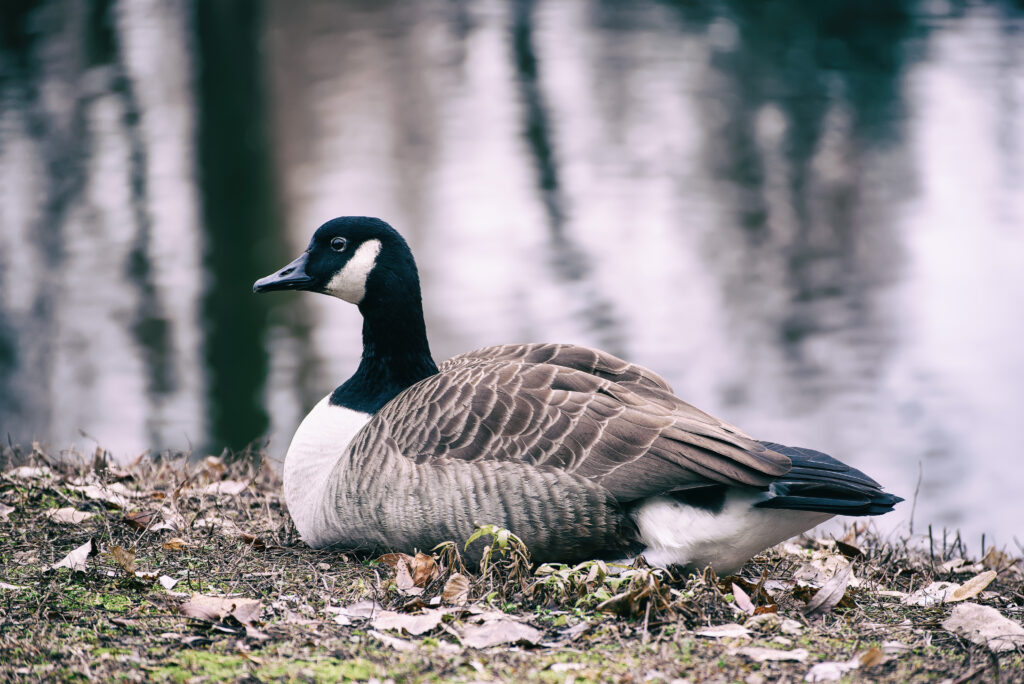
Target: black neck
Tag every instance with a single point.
(395, 355)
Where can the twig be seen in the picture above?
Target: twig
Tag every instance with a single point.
(917, 488)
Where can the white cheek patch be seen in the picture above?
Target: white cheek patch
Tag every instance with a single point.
(350, 282)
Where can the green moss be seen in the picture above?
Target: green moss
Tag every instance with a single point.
(328, 669)
(209, 666)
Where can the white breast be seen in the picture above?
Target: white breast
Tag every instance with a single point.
(678, 534)
(317, 446)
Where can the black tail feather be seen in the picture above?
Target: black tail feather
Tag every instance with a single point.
(818, 482)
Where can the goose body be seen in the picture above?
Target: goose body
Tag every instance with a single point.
(579, 453)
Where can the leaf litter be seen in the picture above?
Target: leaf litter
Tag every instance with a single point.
(293, 605)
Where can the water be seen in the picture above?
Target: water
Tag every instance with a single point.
(809, 217)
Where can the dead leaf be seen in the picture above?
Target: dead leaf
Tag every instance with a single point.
(935, 592)
(413, 624)
(359, 609)
(499, 632)
(576, 630)
(764, 655)
(220, 523)
(403, 579)
(424, 569)
(823, 566)
(253, 541)
(139, 520)
(961, 565)
(848, 550)
(831, 671)
(115, 493)
(222, 488)
(213, 608)
(971, 587)
(393, 642)
(173, 544)
(10, 587)
(730, 630)
(76, 560)
(743, 601)
(216, 609)
(5, 511)
(996, 560)
(124, 558)
(391, 559)
(146, 575)
(456, 590)
(871, 657)
(986, 626)
(30, 473)
(167, 582)
(830, 594)
(68, 515)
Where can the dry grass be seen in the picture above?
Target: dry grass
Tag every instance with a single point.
(222, 531)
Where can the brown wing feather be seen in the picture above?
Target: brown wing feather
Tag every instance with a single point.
(576, 410)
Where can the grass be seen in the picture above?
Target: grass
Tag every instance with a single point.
(108, 622)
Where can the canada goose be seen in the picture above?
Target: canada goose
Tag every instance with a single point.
(579, 453)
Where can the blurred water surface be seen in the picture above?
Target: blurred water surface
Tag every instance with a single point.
(808, 216)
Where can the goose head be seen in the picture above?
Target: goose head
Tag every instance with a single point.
(358, 259)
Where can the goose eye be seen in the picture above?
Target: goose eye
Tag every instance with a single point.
(338, 244)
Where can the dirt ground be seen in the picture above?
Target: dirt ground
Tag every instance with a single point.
(165, 571)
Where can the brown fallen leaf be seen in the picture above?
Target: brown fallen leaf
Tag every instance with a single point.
(173, 544)
(871, 657)
(30, 473)
(971, 587)
(254, 541)
(743, 601)
(830, 594)
(996, 560)
(116, 494)
(76, 560)
(403, 579)
(831, 671)
(929, 595)
(391, 559)
(764, 655)
(221, 488)
(456, 590)
(124, 558)
(393, 642)
(68, 515)
(424, 569)
(413, 624)
(139, 520)
(358, 610)
(499, 632)
(986, 626)
(730, 630)
(848, 550)
(216, 609)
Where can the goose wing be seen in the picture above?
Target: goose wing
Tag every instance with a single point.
(576, 410)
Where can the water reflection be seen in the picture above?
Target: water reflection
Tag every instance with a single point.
(806, 215)
(240, 215)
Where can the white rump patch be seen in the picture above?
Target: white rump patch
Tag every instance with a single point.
(317, 446)
(678, 534)
(350, 282)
